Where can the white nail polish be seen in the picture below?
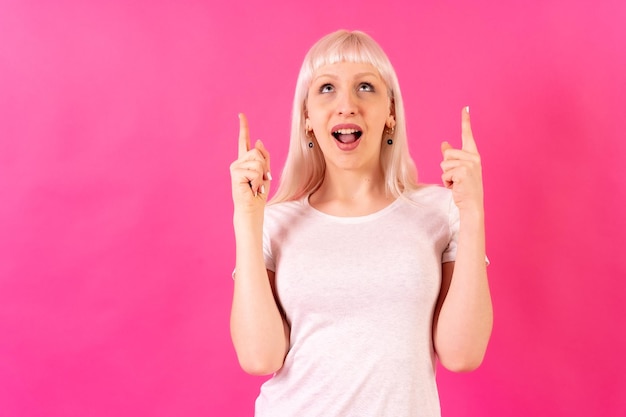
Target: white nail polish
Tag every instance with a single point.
(269, 175)
(262, 189)
(467, 109)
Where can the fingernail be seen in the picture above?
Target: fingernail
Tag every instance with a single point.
(255, 193)
(269, 175)
(262, 189)
(467, 109)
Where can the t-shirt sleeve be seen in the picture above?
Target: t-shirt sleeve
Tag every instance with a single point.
(449, 254)
(268, 255)
(454, 221)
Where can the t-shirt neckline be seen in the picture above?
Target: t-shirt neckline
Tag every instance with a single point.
(352, 219)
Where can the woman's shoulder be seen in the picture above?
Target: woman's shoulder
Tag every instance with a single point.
(432, 202)
(285, 208)
(429, 194)
(284, 214)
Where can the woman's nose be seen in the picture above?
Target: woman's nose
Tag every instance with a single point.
(346, 104)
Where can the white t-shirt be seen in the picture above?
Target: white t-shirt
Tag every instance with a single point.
(359, 294)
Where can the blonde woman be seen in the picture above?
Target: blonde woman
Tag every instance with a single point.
(354, 279)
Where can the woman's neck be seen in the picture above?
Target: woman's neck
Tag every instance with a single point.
(351, 193)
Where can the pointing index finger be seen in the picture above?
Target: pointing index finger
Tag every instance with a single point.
(467, 137)
(244, 135)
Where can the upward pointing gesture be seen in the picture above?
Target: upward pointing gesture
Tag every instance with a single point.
(462, 169)
(467, 138)
(250, 173)
(244, 136)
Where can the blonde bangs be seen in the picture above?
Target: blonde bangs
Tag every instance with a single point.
(343, 46)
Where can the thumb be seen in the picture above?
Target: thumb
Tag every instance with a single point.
(444, 147)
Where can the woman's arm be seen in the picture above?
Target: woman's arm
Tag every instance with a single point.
(258, 329)
(464, 314)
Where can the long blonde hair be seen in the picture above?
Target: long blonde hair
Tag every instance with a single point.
(304, 168)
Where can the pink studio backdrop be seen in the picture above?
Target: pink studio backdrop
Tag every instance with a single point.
(118, 121)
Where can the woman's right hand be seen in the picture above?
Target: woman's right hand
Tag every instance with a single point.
(260, 333)
(250, 173)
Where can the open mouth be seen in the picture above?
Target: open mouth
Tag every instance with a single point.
(347, 135)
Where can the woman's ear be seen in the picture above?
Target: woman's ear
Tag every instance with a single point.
(307, 121)
(391, 119)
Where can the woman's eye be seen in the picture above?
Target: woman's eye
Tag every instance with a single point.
(326, 88)
(366, 87)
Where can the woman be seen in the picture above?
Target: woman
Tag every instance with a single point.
(354, 279)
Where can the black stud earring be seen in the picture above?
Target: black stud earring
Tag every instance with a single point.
(390, 131)
(310, 144)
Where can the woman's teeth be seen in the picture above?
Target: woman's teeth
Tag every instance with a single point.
(344, 131)
(347, 135)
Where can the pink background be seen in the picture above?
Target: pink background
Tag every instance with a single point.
(118, 121)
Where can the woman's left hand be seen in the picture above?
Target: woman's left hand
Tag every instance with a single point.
(462, 170)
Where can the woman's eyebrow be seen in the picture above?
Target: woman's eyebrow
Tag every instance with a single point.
(333, 76)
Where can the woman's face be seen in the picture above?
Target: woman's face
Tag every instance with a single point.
(347, 108)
